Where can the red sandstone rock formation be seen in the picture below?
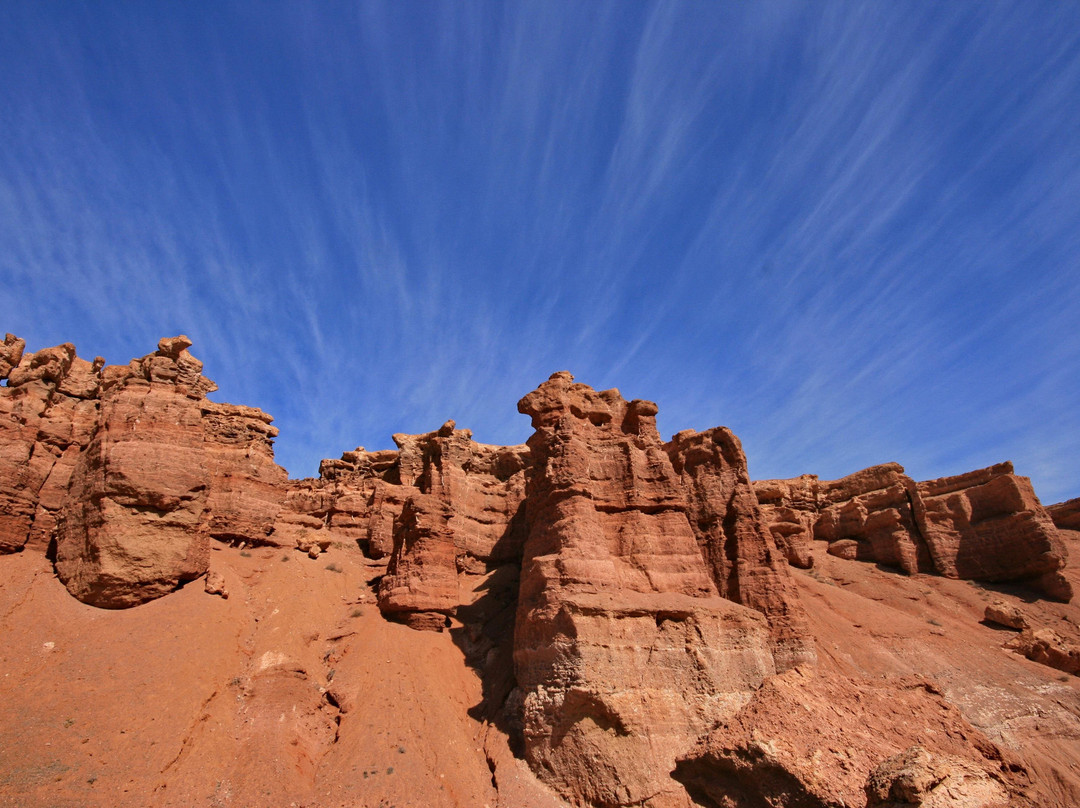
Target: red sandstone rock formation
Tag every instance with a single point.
(128, 468)
(624, 602)
(361, 497)
(623, 649)
(246, 485)
(1066, 515)
(915, 778)
(47, 410)
(1045, 646)
(420, 587)
(986, 525)
(483, 487)
(367, 498)
(878, 508)
(1005, 614)
(814, 740)
(135, 523)
(737, 546)
(11, 352)
(790, 508)
(462, 515)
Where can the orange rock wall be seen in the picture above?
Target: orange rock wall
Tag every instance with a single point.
(985, 525)
(623, 650)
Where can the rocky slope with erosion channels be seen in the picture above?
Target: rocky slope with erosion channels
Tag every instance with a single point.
(594, 618)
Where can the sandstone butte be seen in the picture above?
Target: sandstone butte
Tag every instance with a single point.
(595, 618)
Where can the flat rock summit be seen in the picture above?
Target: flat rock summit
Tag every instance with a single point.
(595, 618)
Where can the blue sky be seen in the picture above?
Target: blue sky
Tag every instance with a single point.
(849, 231)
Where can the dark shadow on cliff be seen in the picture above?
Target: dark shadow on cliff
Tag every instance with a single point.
(484, 631)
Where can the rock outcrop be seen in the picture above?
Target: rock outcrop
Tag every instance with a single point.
(737, 546)
(1047, 647)
(790, 508)
(135, 523)
(988, 525)
(1066, 515)
(820, 741)
(125, 471)
(876, 508)
(624, 606)
(985, 525)
(48, 409)
(624, 651)
(462, 514)
(246, 486)
(915, 778)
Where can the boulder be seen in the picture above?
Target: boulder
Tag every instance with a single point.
(916, 778)
(11, 352)
(1005, 614)
(1047, 647)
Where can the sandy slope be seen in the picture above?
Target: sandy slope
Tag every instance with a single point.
(197, 700)
(294, 691)
(874, 622)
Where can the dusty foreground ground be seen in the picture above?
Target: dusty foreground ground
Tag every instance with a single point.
(295, 691)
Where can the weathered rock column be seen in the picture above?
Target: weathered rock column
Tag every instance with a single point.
(624, 651)
(135, 524)
(735, 542)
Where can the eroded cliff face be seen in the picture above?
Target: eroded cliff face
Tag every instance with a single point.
(624, 651)
(49, 409)
(741, 554)
(135, 522)
(610, 620)
(985, 525)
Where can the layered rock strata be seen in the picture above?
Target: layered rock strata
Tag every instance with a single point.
(462, 514)
(738, 548)
(876, 508)
(135, 523)
(1066, 515)
(789, 508)
(126, 470)
(624, 651)
(988, 525)
(246, 485)
(626, 602)
(48, 410)
(985, 525)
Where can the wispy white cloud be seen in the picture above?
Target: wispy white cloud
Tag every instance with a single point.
(848, 232)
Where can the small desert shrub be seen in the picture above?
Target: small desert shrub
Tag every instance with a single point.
(333, 567)
(245, 554)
